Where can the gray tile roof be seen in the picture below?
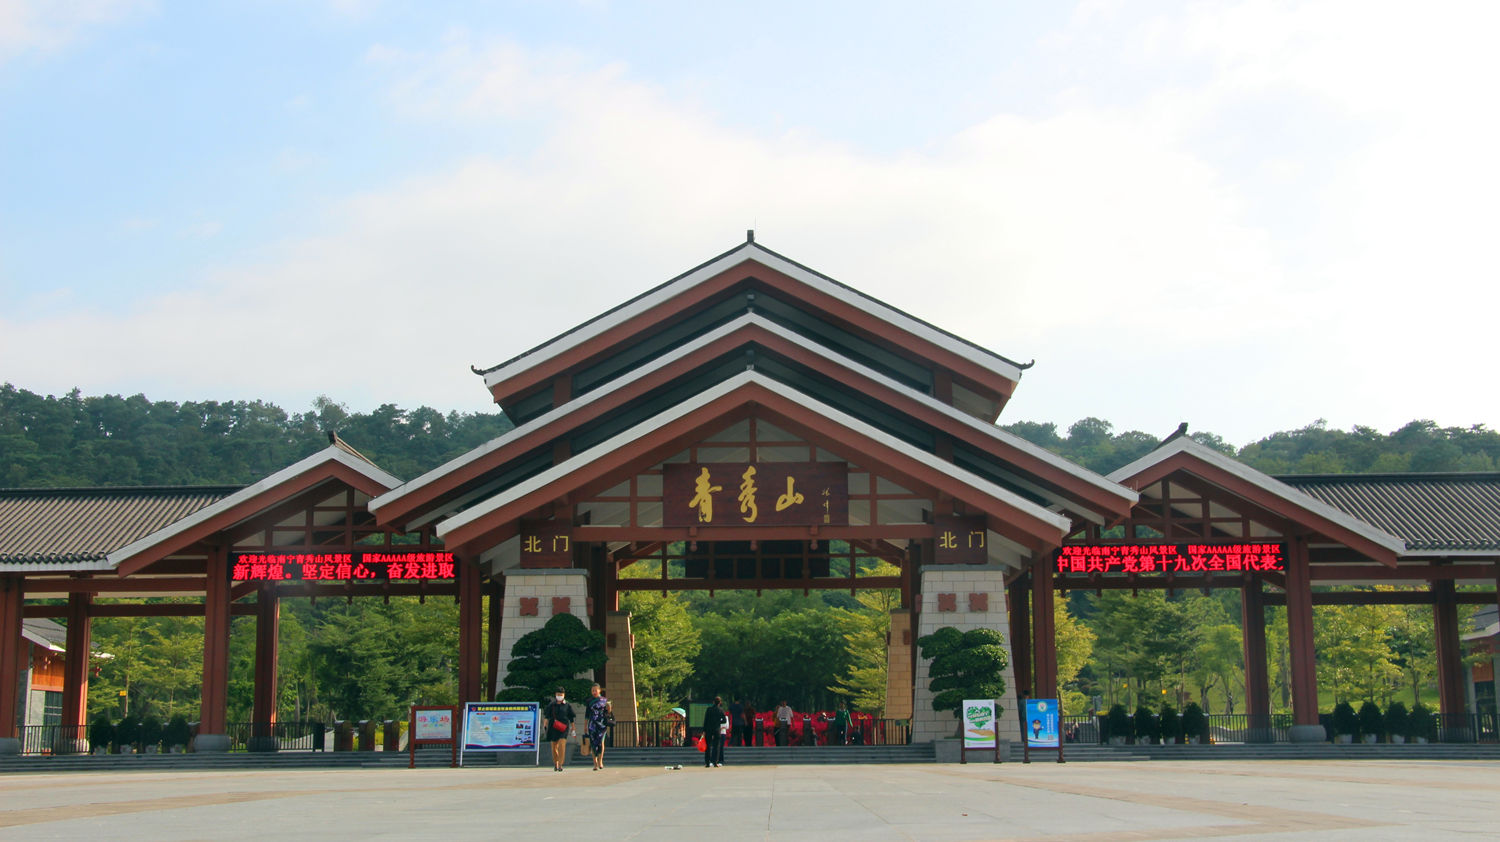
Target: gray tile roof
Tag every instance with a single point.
(1455, 512)
(70, 525)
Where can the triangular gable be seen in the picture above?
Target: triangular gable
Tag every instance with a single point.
(334, 462)
(1023, 520)
(1265, 491)
(1090, 488)
(551, 358)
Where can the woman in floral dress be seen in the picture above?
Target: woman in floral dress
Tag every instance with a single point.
(598, 716)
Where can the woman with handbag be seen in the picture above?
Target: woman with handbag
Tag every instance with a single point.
(559, 715)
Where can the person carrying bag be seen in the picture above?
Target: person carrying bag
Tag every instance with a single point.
(559, 716)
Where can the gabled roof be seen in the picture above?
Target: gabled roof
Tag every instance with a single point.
(746, 389)
(616, 324)
(338, 461)
(45, 633)
(46, 529)
(1183, 453)
(1096, 490)
(1436, 514)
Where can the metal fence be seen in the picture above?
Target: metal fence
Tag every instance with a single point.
(54, 739)
(277, 736)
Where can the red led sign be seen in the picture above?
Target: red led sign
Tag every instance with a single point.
(1171, 558)
(340, 567)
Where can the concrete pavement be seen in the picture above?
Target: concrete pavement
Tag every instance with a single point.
(1099, 802)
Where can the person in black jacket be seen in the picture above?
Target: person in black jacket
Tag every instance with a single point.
(714, 723)
(558, 716)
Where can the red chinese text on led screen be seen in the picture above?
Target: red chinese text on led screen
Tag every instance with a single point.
(1171, 558)
(341, 567)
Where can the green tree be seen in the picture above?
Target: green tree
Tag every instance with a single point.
(1075, 645)
(553, 656)
(965, 665)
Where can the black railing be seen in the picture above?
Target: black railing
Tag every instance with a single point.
(1249, 728)
(54, 739)
(1082, 729)
(277, 736)
(661, 733)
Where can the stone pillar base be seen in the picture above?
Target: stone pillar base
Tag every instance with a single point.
(211, 743)
(1309, 734)
(9, 746)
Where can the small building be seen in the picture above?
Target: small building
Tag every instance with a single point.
(42, 683)
(1483, 645)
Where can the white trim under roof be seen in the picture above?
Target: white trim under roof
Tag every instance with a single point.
(750, 251)
(727, 387)
(55, 566)
(332, 453)
(754, 320)
(1265, 483)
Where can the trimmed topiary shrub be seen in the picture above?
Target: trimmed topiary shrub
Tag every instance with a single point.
(177, 733)
(101, 733)
(1117, 725)
(1371, 723)
(150, 733)
(1194, 723)
(1170, 725)
(1421, 724)
(1345, 720)
(1146, 728)
(127, 733)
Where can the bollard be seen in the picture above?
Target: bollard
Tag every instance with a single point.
(343, 735)
(367, 735)
(392, 735)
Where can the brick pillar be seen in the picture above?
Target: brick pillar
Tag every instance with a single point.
(13, 666)
(898, 670)
(619, 670)
(213, 711)
(964, 597)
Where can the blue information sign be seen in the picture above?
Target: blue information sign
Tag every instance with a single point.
(500, 727)
(1041, 722)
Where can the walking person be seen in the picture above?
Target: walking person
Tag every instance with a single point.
(559, 716)
(598, 715)
(714, 724)
(841, 725)
(783, 723)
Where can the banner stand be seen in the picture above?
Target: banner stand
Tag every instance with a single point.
(1043, 731)
(978, 713)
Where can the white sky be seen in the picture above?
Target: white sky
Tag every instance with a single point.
(1244, 215)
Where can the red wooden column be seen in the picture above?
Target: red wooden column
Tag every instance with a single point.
(1449, 659)
(1299, 625)
(470, 616)
(75, 701)
(1043, 628)
(492, 641)
(12, 654)
(1253, 620)
(267, 655)
(213, 710)
(1020, 633)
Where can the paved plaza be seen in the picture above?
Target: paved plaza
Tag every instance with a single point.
(1080, 801)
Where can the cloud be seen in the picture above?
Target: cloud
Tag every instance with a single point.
(45, 26)
(1107, 239)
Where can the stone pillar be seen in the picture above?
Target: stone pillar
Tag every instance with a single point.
(267, 654)
(898, 669)
(13, 661)
(213, 710)
(619, 670)
(964, 597)
(531, 596)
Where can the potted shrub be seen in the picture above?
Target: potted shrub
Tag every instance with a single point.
(151, 734)
(176, 735)
(1117, 725)
(1396, 723)
(1146, 729)
(1194, 724)
(127, 733)
(1345, 723)
(101, 734)
(1421, 725)
(1171, 725)
(1371, 723)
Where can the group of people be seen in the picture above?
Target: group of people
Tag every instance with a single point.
(742, 725)
(598, 716)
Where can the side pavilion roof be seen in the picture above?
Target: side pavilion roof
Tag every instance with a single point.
(1436, 514)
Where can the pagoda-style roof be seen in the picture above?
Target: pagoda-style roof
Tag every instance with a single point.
(44, 529)
(753, 279)
(1438, 514)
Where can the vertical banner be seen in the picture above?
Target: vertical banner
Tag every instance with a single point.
(980, 728)
(1041, 723)
(495, 727)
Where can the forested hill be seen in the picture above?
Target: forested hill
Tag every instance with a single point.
(77, 440)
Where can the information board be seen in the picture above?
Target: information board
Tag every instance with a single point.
(431, 725)
(1041, 723)
(494, 727)
(980, 727)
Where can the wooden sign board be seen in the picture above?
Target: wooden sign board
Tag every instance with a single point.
(760, 494)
